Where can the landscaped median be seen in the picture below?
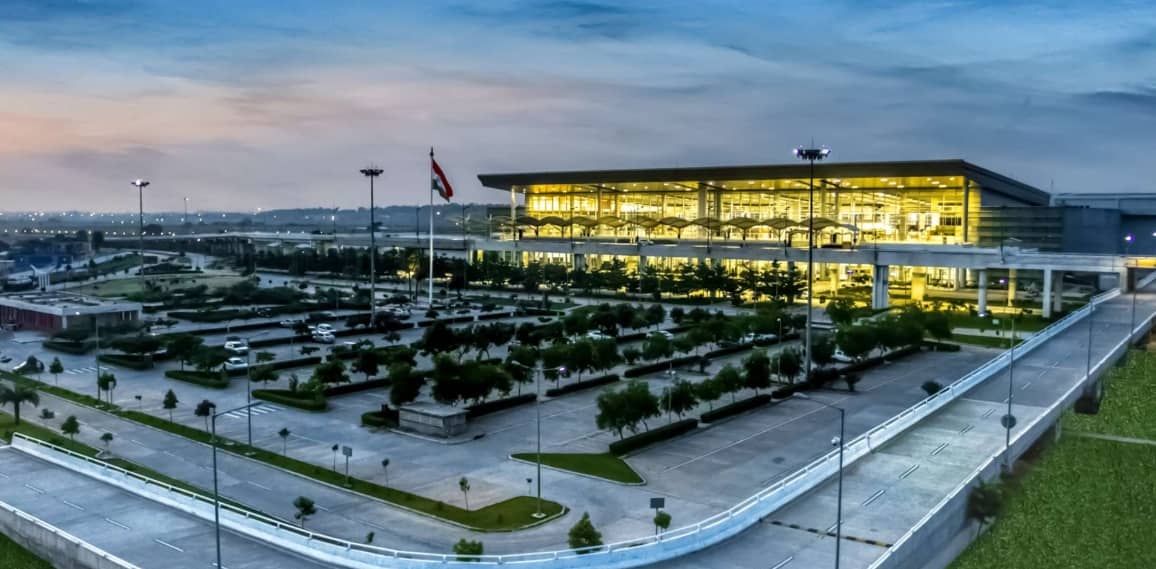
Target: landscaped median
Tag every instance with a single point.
(508, 515)
(606, 466)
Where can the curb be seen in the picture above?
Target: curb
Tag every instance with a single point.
(590, 476)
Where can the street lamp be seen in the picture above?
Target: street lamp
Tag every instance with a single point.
(1128, 239)
(371, 173)
(249, 384)
(216, 493)
(810, 155)
(538, 420)
(837, 441)
(1009, 420)
(140, 186)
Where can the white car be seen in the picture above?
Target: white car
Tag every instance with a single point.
(754, 338)
(291, 322)
(237, 346)
(236, 363)
(841, 357)
(598, 335)
(664, 334)
(324, 338)
(323, 329)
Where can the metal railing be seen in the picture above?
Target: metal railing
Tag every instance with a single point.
(618, 555)
(995, 455)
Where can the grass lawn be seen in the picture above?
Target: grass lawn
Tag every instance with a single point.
(1026, 323)
(508, 515)
(1129, 400)
(131, 284)
(605, 466)
(1086, 503)
(987, 341)
(12, 556)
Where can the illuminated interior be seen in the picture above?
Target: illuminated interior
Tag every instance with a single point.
(847, 211)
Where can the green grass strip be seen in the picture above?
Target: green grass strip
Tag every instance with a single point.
(604, 465)
(1129, 404)
(15, 557)
(1000, 342)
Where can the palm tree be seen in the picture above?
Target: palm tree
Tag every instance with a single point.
(16, 396)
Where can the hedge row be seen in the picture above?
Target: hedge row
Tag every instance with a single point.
(377, 419)
(306, 401)
(204, 379)
(298, 362)
(495, 316)
(652, 436)
(660, 366)
(74, 348)
(579, 386)
(130, 362)
(355, 387)
(735, 408)
(942, 346)
(496, 405)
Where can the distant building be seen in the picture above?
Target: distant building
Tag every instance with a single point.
(55, 311)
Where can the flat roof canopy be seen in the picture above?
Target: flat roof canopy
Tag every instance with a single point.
(985, 178)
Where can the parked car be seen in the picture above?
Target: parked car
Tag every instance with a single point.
(237, 346)
(598, 335)
(324, 338)
(664, 334)
(754, 338)
(236, 363)
(291, 322)
(328, 314)
(841, 357)
(323, 329)
(29, 366)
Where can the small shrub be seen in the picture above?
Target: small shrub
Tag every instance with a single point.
(931, 387)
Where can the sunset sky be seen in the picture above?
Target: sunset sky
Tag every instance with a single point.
(241, 104)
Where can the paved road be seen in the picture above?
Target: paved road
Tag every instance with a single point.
(890, 490)
(135, 529)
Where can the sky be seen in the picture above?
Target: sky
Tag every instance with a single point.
(245, 104)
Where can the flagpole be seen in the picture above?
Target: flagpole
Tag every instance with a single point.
(431, 229)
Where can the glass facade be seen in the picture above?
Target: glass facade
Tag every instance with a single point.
(846, 211)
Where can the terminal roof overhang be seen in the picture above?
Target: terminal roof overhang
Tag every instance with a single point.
(983, 177)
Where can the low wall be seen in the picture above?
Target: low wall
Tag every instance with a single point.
(61, 549)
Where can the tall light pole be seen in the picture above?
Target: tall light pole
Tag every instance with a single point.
(1009, 420)
(140, 186)
(541, 372)
(216, 491)
(249, 383)
(371, 173)
(838, 441)
(810, 155)
(1128, 239)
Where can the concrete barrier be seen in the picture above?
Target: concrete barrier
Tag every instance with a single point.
(60, 548)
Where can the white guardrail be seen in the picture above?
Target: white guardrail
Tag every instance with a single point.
(16, 517)
(618, 555)
(896, 548)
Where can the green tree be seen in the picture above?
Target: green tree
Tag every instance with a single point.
(368, 362)
(856, 341)
(264, 374)
(468, 550)
(661, 521)
(330, 372)
(640, 403)
(680, 398)
(823, 351)
(205, 410)
(440, 338)
(106, 438)
(385, 469)
(170, 403)
(17, 396)
(709, 391)
(938, 325)
(789, 363)
(677, 314)
(985, 503)
(405, 385)
(284, 434)
(655, 315)
(305, 508)
(207, 359)
(931, 387)
(70, 427)
(464, 486)
(184, 347)
(851, 379)
(729, 380)
(842, 311)
(583, 536)
(631, 355)
(580, 357)
(757, 371)
(657, 347)
(56, 368)
(106, 382)
(612, 412)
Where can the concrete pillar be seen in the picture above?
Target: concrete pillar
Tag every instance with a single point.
(1011, 287)
(579, 261)
(1058, 304)
(960, 278)
(981, 281)
(1047, 294)
(918, 285)
(834, 284)
(879, 283)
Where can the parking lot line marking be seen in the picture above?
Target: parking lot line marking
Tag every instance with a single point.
(322, 508)
(784, 562)
(4, 476)
(909, 471)
(117, 524)
(72, 505)
(1025, 385)
(989, 412)
(966, 429)
(261, 486)
(169, 545)
(34, 489)
(741, 441)
(939, 449)
(136, 442)
(873, 497)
